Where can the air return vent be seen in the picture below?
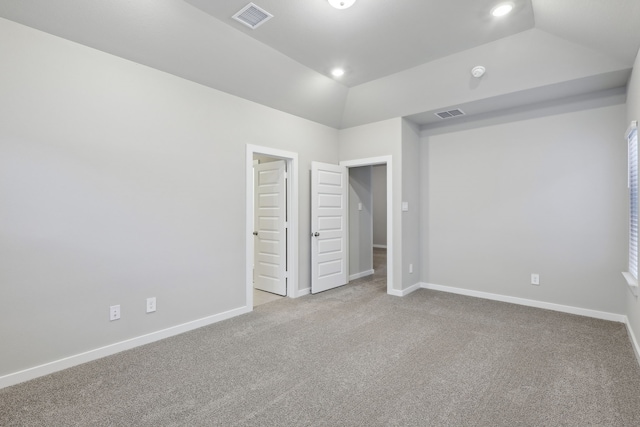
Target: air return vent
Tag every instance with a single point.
(252, 16)
(450, 114)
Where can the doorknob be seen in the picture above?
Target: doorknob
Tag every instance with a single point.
(255, 233)
(316, 234)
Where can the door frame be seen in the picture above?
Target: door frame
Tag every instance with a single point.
(373, 161)
(291, 159)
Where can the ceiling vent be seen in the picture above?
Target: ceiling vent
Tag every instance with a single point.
(450, 114)
(252, 16)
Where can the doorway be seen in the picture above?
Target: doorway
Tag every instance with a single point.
(367, 223)
(388, 218)
(329, 223)
(277, 249)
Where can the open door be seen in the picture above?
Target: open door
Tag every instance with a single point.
(329, 186)
(270, 241)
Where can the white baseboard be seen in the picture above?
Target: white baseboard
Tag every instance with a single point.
(403, 292)
(302, 292)
(361, 274)
(68, 362)
(546, 305)
(395, 293)
(529, 302)
(632, 338)
(88, 356)
(380, 246)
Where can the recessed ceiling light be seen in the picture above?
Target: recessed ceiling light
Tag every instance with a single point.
(337, 72)
(341, 4)
(502, 9)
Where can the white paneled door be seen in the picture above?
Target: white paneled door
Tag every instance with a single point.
(270, 241)
(328, 226)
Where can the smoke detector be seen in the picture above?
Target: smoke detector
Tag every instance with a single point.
(341, 4)
(478, 71)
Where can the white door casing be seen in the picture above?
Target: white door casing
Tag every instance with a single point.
(270, 238)
(329, 187)
(383, 160)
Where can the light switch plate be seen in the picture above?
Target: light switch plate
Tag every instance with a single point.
(405, 206)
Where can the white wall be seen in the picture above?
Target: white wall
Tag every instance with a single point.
(633, 113)
(542, 195)
(411, 245)
(360, 221)
(119, 182)
(379, 189)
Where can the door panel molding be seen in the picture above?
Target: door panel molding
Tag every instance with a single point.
(270, 234)
(329, 226)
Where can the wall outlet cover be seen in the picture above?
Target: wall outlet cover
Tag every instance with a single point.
(151, 304)
(114, 312)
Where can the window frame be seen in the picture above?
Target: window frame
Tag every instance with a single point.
(631, 137)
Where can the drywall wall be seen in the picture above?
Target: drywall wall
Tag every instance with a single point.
(411, 252)
(543, 195)
(117, 183)
(379, 190)
(360, 222)
(375, 140)
(174, 36)
(633, 113)
(527, 60)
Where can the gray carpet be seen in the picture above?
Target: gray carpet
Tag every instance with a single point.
(355, 356)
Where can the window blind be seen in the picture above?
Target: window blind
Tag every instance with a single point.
(633, 202)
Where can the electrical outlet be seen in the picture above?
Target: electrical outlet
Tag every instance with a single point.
(151, 304)
(114, 312)
(535, 279)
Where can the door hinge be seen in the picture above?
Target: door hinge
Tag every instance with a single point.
(286, 225)
(286, 175)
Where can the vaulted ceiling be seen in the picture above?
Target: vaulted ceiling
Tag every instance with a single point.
(374, 38)
(405, 58)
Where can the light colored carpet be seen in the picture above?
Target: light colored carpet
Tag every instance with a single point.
(355, 356)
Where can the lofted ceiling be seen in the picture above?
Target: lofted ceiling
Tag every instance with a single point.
(373, 38)
(405, 58)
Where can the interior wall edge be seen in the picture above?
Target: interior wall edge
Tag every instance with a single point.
(632, 338)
